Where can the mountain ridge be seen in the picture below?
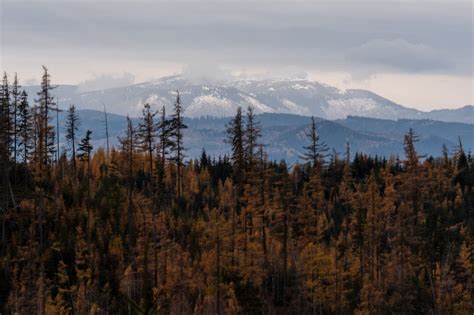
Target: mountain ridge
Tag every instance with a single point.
(294, 96)
(284, 134)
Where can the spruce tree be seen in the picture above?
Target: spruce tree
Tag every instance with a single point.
(72, 126)
(164, 145)
(25, 128)
(177, 127)
(235, 137)
(46, 140)
(315, 151)
(85, 149)
(147, 129)
(4, 156)
(5, 121)
(128, 143)
(15, 101)
(164, 135)
(253, 132)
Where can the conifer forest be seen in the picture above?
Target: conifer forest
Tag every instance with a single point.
(142, 228)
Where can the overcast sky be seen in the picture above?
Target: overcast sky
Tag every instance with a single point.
(418, 53)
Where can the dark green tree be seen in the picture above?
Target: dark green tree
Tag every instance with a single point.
(235, 137)
(25, 128)
(72, 126)
(177, 127)
(147, 129)
(45, 138)
(253, 132)
(15, 101)
(316, 150)
(85, 149)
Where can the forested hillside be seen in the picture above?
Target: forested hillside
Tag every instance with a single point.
(141, 229)
(284, 135)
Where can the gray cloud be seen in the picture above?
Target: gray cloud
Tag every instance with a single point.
(206, 73)
(106, 81)
(332, 36)
(398, 54)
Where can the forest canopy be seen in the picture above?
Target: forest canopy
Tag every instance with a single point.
(141, 228)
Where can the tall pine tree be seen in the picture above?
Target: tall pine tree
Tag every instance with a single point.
(72, 126)
(177, 127)
(45, 144)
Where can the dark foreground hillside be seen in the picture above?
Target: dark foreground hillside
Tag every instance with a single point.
(369, 236)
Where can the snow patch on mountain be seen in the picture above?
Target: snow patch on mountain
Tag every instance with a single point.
(341, 108)
(210, 105)
(156, 101)
(257, 106)
(298, 86)
(293, 108)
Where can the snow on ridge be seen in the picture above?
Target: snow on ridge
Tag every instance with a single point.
(209, 105)
(256, 104)
(341, 108)
(298, 86)
(293, 108)
(155, 100)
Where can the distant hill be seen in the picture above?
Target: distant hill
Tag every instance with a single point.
(464, 114)
(284, 134)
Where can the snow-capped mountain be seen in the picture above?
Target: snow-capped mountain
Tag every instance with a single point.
(305, 97)
(292, 96)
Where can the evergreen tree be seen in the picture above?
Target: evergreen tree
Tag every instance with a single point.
(45, 147)
(235, 137)
(147, 129)
(164, 135)
(85, 149)
(5, 122)
(15, 101)
(25, 128)
(72, 126)
(177, 127)
(128, 143)
(315, 150)
(164, 146)
(253, 132)
(4, 156)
